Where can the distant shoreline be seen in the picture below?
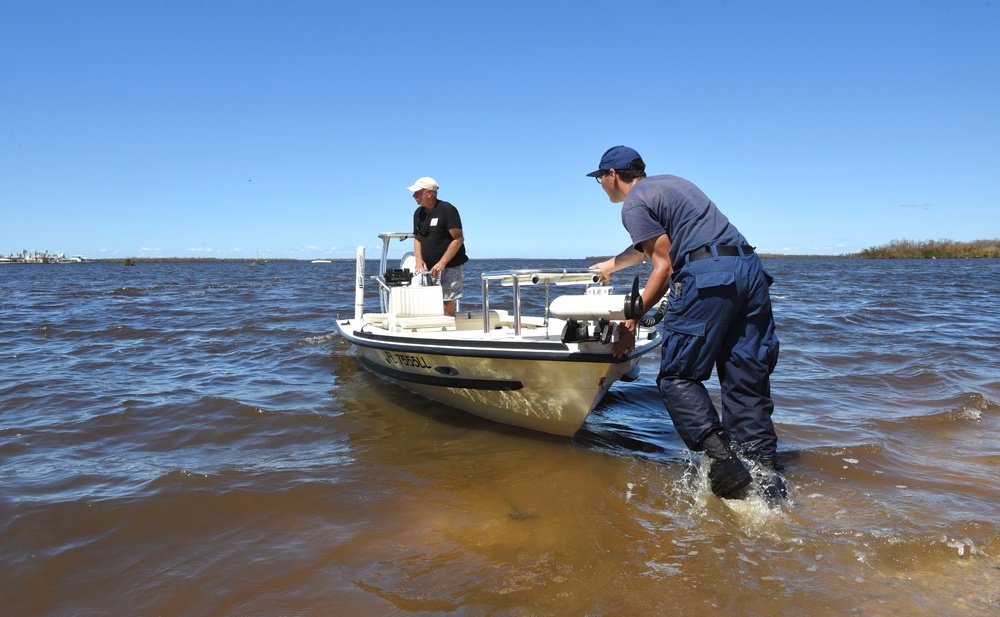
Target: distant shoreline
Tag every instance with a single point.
(897, 249)
(933, 249)
(904, 249)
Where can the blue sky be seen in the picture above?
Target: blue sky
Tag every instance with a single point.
(292, 129)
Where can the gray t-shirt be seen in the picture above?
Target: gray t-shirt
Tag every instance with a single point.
(674, 206)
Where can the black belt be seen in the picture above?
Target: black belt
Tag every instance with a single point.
(722, 251)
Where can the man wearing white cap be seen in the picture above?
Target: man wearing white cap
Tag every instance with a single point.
(438, 243)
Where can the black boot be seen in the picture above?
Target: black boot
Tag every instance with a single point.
(728, 474)
(770, 481)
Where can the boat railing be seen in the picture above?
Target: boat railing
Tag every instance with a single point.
(517, 278)
(506, 278)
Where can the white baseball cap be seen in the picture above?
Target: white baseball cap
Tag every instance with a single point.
(424, 183)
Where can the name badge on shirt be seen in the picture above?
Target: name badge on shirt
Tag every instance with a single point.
(434, 222)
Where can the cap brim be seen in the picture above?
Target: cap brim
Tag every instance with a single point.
(599, 172)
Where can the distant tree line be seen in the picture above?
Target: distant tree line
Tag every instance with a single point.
(137, 260)
(932, 249)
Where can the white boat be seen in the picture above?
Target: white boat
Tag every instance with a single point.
(542, 372)
(74, 259)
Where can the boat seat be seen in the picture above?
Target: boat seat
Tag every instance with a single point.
(418, 309)
(416, 301)
(473, 320)
(379, 320)
(428, 323)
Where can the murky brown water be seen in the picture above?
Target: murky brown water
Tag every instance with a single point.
(191, 439)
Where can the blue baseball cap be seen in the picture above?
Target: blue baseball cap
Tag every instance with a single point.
(619, 157)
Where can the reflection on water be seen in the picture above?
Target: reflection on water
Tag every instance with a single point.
(191, 439)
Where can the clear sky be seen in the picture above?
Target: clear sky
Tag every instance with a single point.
(292, 129)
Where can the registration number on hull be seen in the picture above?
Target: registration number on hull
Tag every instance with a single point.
(402, 359)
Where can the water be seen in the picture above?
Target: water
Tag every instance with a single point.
(193, 439)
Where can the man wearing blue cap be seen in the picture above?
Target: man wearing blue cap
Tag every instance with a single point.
(718, 314)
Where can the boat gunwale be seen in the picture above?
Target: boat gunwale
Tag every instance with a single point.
(513, 349)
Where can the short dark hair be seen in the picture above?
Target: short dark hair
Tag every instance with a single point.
(636, 169)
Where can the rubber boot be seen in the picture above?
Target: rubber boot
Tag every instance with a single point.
(728, 474)
(770, 481)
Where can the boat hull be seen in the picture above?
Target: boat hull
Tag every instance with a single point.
(544, 386)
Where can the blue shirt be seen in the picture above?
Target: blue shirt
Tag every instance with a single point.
(674, 206)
